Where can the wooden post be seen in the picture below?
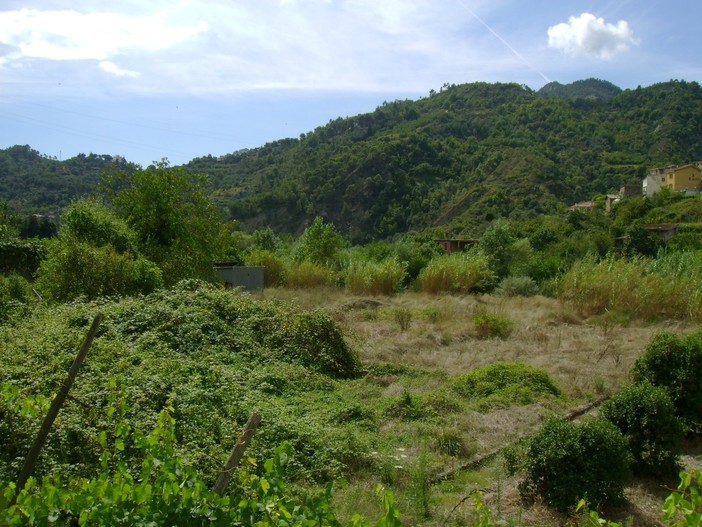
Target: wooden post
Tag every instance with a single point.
(56, 405)
(237, 452)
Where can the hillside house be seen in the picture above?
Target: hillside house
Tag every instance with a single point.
(453, 245)
(675, 177)
(583, 205)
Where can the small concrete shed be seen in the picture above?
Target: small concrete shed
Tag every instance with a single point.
(247, 277)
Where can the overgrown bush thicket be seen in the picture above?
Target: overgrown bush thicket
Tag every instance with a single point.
(517, 286)
(275, 271)
(213, 355)
(75, 269)
(488, 325)
(646, 416)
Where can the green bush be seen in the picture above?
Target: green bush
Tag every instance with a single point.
(16, 296)
(517, 286)
(674, 363)
(488, 325)
(91, 222)
(315, 339)
(646, 416)
(74, 269)
(320, 243)
(504, 384)
(566, 462)
(21, 256)
(457, 273)
(213, 354)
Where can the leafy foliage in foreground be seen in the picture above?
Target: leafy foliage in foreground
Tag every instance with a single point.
(165, 490)
(216, 355)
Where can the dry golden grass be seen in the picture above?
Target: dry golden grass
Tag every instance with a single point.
(586, 357)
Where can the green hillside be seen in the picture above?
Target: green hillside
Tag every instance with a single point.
(458, 159)
(450, 162)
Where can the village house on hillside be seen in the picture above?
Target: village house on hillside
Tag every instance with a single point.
(686, 178)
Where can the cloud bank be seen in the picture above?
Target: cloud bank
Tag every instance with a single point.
(591, 36)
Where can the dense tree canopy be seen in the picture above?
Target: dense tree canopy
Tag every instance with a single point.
(454, 161)
(175, 224)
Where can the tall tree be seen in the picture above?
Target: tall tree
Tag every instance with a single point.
(177, 227)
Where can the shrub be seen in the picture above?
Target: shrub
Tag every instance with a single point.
(673, 362)
(517, 286)
(490, 325)
(91, 222)
(75, 269)
(375, 278)
(646, 416)
(504, 384)
(457, 273)
(565, 462)
(21, 256)
(316, 340)
(320, 243)
(403, 317)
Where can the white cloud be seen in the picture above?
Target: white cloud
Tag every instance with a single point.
(592, 36)
(72, 35)
(220, 46)
(114, 69)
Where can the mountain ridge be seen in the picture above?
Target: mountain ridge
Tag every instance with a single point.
(451, 162)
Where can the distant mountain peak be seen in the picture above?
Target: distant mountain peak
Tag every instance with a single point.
(583, 89)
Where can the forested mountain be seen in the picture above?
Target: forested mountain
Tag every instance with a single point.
(460, 158)
(31, 182)
(452, 161)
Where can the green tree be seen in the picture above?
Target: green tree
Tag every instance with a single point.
(320, 243)
(7, 221)
(497, 245)
(176, 226)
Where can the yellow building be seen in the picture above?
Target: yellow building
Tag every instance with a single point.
(675, 177)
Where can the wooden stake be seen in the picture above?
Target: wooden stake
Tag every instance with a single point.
(56, 405)
(237, 452)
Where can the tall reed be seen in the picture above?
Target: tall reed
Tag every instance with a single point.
(667, 287)
(457, 273)
(308, 274)
(375, 278)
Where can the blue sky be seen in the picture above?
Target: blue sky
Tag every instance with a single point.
(183, 79)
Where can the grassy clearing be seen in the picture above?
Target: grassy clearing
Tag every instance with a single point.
(417, 367)
(427, 395)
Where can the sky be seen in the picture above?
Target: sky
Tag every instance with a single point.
(180, 79)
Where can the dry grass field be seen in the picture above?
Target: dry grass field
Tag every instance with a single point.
(435, 339)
